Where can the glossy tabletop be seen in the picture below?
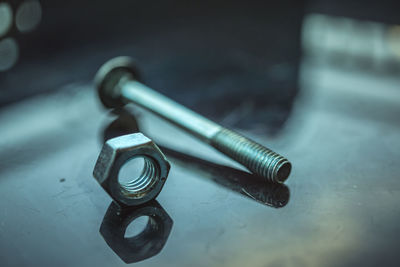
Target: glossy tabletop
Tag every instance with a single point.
(339, 207)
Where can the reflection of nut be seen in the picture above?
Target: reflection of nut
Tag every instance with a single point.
(115, 153)
(144, 245)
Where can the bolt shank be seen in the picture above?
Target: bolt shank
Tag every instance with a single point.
(168, 109)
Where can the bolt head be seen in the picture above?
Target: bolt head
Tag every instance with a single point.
(108, 77)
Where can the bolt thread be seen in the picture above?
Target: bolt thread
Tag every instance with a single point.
(255, 157)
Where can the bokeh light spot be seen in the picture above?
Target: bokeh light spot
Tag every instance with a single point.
(6, 17)
(9, 52)
(28, 15)
(394, 39)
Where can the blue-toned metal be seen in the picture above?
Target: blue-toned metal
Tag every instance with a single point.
(117, 85)
(118, 151)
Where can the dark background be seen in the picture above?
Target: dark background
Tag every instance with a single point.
(193, 51)
(199, 52)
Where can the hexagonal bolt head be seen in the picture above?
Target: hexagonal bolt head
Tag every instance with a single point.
(115, 153)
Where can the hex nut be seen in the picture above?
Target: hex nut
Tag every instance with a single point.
(115, 153)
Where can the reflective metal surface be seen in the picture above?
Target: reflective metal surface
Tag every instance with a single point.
(343, 139)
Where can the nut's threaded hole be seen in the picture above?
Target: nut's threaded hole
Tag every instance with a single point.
(145, 172)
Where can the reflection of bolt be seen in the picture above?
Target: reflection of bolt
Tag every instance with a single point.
(117, 84)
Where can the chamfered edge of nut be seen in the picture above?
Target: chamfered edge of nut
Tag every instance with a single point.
(114, 146)
(106, 173)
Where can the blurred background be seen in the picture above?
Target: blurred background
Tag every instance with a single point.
(318, 81)
(245, 56)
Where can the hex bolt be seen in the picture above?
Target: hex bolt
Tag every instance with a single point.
(117, 84)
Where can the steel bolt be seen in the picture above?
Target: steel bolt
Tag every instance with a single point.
(117, 84)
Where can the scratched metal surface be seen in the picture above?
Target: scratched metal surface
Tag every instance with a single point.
(342, 137)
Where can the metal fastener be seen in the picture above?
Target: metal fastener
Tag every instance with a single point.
(115, 153)
(117, 84)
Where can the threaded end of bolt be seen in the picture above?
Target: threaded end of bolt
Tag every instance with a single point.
(257, 158)
(283, 170)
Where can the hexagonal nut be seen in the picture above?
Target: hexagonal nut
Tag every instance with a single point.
(115, 153)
